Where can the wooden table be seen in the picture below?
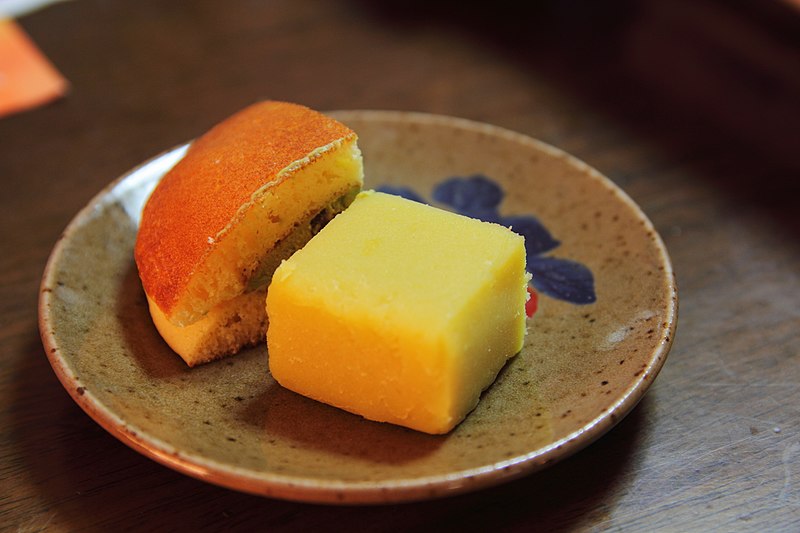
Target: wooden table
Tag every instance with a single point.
(692, 107)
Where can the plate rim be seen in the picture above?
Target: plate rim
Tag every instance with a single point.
(312, 490)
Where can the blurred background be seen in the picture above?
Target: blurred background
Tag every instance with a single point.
(691, 106)
(710, 83)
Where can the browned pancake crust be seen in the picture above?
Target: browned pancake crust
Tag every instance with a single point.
(221, 170)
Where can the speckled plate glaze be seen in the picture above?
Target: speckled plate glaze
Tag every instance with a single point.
(588, 358)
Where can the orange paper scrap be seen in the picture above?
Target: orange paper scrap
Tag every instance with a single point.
(27, 78)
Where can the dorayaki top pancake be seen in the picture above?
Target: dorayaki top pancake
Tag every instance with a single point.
(212, 218)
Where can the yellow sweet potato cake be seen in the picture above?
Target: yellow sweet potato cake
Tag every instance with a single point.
(399, 312)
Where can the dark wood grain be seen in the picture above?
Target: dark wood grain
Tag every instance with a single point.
(692, 107)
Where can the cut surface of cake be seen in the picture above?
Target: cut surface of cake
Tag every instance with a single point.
(247, 194)
(399, 312)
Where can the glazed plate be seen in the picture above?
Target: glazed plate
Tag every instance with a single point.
(606, 315)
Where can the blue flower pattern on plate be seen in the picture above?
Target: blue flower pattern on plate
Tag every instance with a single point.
(479, 197)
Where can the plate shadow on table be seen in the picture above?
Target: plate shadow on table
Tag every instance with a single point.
(579, 489)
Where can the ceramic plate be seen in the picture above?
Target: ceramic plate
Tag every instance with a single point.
(606, 315)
